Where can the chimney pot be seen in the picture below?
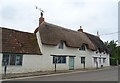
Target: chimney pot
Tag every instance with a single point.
(41, 19)
(81, 30)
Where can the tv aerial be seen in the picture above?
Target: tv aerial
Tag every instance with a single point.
(40, 10)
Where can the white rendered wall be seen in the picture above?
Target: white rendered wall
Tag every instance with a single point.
(48, 50)
(107, 63)
(30, 63)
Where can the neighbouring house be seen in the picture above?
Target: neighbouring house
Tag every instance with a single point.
(50, 47)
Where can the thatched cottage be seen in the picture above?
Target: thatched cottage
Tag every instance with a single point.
(50, 47)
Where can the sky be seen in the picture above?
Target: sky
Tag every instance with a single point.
(92, 15)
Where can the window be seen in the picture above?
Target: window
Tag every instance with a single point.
(82, 47)
(12, 59)
(95, 59)
(59, 59)
(61, 44)
(82, 59)
(99, 60)
(104, 60)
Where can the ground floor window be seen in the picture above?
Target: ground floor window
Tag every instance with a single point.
(12, 59)
(59, 59)
(100, 60)
(104, 60)
(82, 59)
(95, 59)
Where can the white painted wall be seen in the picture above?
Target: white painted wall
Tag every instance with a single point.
(48, 50)
(30, 63)
(107, 63)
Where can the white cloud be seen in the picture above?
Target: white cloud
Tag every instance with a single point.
(93, 15)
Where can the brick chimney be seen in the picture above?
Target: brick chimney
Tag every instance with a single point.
(81, 30)
(41, 19)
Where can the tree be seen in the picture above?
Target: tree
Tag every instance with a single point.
(116, 55)
(113, 50)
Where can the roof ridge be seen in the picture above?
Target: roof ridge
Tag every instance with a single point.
(58, 26)
(16, 30)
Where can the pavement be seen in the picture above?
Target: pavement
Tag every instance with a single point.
(39, 73)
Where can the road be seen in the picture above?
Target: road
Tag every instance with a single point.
(109, 74)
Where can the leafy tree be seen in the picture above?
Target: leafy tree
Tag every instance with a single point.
(116, 55)
(113, 50)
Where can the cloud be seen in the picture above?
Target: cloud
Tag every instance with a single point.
(93, 15)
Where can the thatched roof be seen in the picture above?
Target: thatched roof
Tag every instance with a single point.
(97, 42)
(14, 41)
(52, 35)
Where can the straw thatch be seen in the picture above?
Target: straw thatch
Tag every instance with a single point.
(52, 35)
(14, 41)
(98, 43)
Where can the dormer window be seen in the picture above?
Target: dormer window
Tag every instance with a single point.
(82, 47)
(61, 45)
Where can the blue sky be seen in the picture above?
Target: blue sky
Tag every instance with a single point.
(92, 15)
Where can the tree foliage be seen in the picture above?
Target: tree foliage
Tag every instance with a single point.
(114, 52)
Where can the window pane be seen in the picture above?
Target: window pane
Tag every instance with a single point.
(104, 60)
(63, 59)
(53, 59)
(61, 45)
(82, 48)
(19, 60)
(99, 60)
(95, 59)
(59, 59)
(5, 59)
(82, 59)
(12, 59)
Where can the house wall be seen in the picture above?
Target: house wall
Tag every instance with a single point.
(48, 50)
(100, 55)
(44, 62)
(30, 63)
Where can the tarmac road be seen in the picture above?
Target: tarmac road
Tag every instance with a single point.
(109, 74)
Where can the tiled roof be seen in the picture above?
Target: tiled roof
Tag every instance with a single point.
(14, 41)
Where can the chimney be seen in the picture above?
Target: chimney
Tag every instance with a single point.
(98, 34)
(41, 19)
(81, 30)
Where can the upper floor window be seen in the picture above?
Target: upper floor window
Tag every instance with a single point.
(82, 47)
(61, 45)
(12, 59)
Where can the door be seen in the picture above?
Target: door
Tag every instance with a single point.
(71, 63)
